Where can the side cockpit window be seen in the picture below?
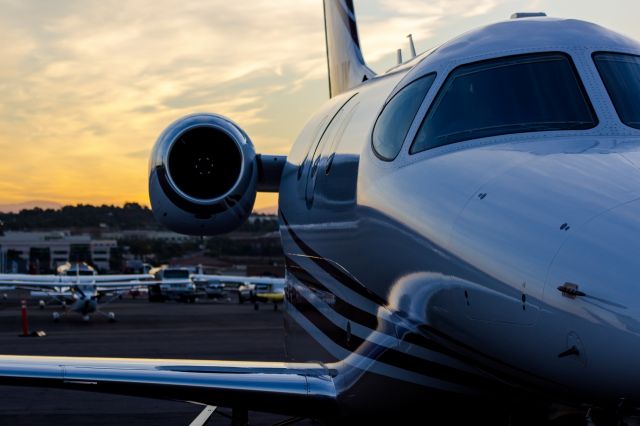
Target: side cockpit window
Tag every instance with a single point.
(397, 115)
(621, 76)
(524, 93)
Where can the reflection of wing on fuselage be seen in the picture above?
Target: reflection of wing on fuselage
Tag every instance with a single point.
(459, 232)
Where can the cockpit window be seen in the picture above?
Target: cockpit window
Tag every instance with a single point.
(525, 93)
(621, 76)
(396, 117)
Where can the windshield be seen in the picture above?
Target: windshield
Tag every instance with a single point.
(524, 93)
(621, 76)
(394, 122)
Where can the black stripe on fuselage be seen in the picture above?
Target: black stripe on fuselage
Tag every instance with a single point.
(386, 355)
(357, 315)
(371, 321)
(364, 318)
(345, 309)
(336, 272)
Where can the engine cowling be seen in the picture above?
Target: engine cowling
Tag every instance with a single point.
(203, 174)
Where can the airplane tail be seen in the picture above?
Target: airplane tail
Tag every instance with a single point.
(347, 67)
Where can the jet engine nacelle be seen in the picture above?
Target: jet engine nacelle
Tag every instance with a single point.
(203, 174)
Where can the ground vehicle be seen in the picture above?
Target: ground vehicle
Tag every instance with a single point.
(245, 292)
(210, 287)
(252, 289)
(266, 292)
(176, 284)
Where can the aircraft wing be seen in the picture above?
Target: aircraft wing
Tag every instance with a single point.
(128, 285)
(119, 287)
(168, 281)
(305, 389)
(122, 277)
(237, 279)
(34, 285)
(11, 278)
(112, 285)
(71, 279)
(53, 288)
(50, 293)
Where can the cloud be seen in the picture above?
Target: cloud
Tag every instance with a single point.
(141, 153)
(381, 37)
(87, 86)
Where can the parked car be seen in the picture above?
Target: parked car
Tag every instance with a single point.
(176, 284)
(211, 288)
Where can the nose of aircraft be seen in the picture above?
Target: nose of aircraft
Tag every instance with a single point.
(593, 294)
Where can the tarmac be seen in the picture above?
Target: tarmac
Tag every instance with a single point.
(207, 329)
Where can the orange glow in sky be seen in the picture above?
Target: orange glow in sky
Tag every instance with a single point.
(87, 86)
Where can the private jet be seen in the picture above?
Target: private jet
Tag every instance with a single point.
(460, 232)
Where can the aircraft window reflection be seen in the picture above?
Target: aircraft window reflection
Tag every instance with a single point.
(396, 117)
(525, 93)
(621, 76)
(319, 134)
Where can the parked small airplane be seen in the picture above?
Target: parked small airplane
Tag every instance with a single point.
(78, 288)
(461, 236)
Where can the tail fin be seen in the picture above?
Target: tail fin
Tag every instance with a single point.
(347, 68)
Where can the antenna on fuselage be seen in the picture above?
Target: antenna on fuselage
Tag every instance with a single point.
(399, 56)
(412, 46)
(520, 15)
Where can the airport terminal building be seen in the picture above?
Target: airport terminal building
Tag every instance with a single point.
(42, 252)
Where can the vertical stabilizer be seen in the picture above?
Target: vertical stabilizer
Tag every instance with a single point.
(347, 68)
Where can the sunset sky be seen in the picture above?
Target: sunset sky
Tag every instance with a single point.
(86, 86)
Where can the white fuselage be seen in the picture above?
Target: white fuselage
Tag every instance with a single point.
(85, 299)
(449, 260)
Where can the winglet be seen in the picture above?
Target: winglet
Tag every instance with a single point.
(346, 64)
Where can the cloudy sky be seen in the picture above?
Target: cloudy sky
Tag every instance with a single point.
(86, 86)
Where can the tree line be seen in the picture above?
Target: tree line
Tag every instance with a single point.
(130, 216)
